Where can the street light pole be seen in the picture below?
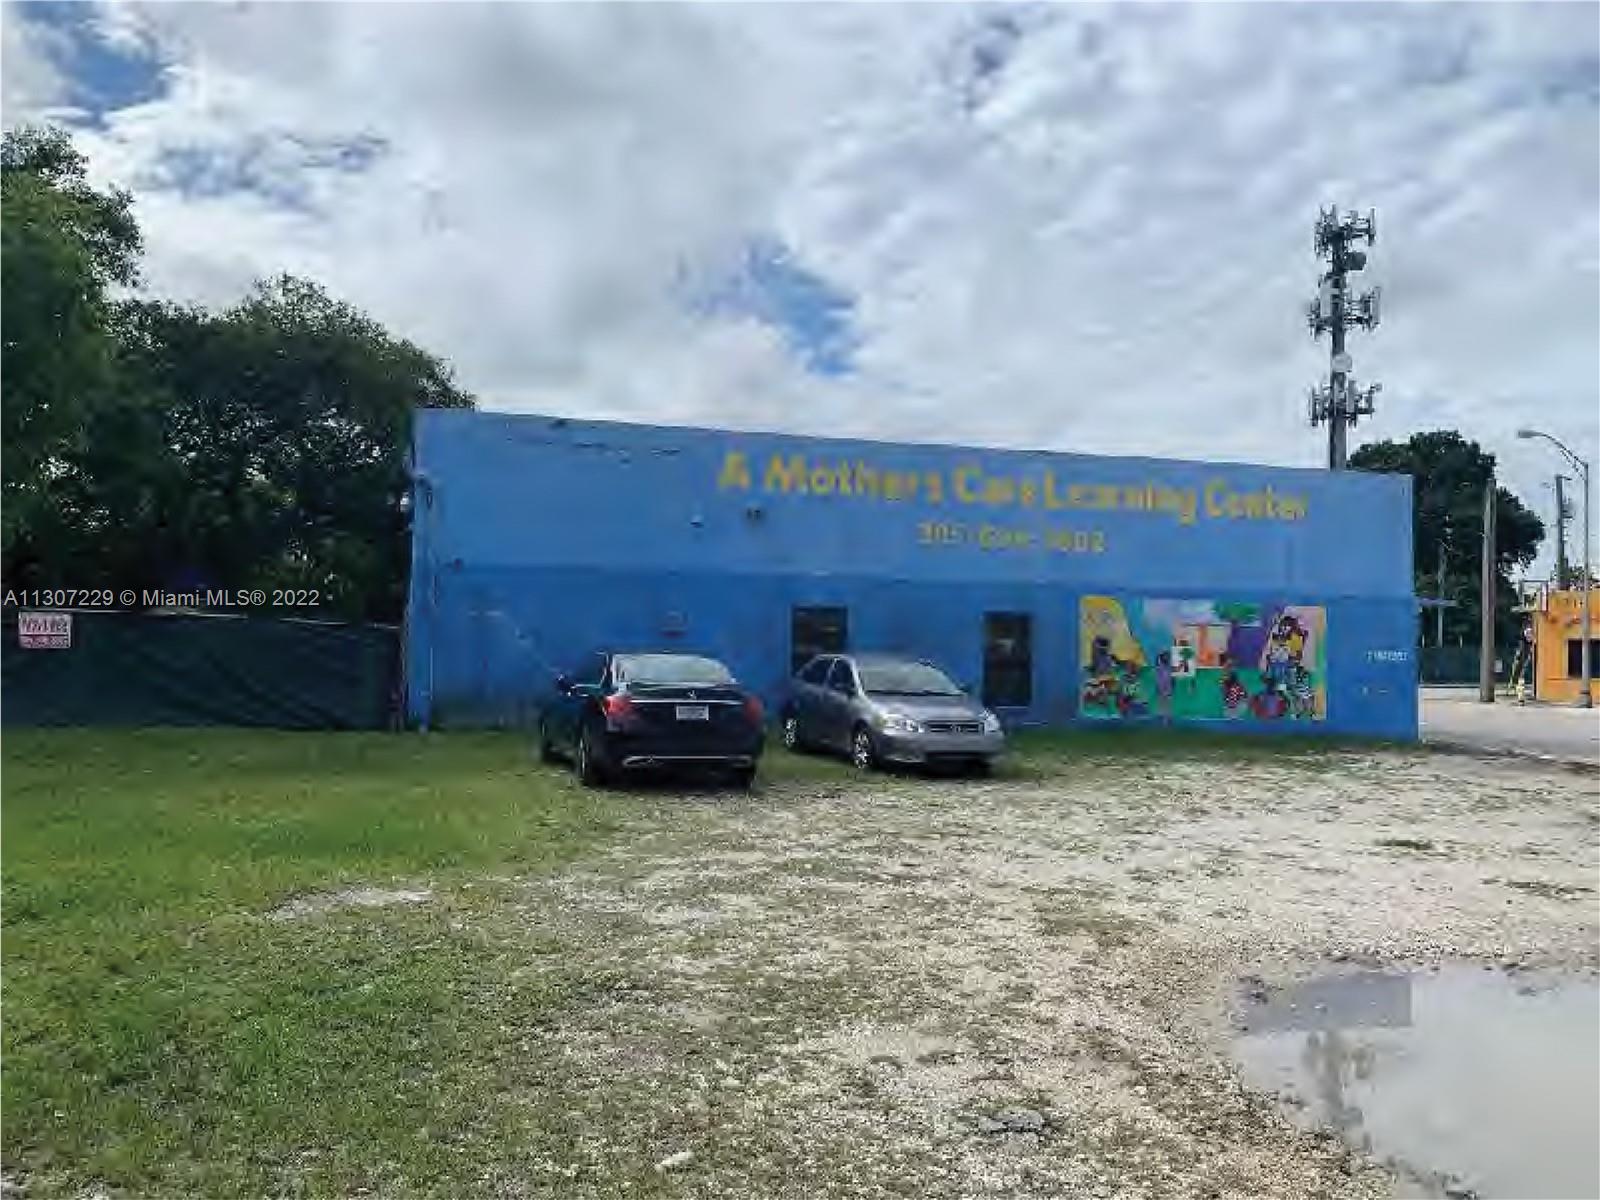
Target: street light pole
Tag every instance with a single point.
(1586, 653)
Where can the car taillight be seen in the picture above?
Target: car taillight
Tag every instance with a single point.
(753, 709)
(617, 706)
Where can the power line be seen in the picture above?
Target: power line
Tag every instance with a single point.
(1340, 402)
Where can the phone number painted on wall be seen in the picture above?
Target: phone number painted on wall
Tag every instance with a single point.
(1001, 537)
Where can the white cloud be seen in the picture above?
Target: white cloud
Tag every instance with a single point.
(30, 82)
(1070, 226)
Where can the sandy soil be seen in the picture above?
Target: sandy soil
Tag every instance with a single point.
(1020, 988)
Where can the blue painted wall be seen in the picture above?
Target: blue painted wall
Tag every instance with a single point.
(539, 538)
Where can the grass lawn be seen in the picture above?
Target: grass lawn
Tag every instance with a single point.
(164, 1036)
(1041, 752)
(161, 1036)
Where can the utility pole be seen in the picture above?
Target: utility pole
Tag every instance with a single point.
(1586, 622)
(1487, 600)
(1563, 515)
(1340, 402)
(1438, 594)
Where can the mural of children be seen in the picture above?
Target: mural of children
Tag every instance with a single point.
(1295, 639)
(1164, 684)
(1100, 661)
(1104, 682)
(1302, 696)
(1194, 660)
(1286, 666)
(1125, 688)
(1127, 705)
(1184, 660)
(1128, 702)
(1278, 658)
(1269, 704)
(1234, 696)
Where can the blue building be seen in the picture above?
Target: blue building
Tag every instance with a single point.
(1065, 588)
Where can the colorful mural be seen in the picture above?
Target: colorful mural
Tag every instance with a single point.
(1202, 660)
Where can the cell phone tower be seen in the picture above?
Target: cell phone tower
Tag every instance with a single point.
(1340, 402)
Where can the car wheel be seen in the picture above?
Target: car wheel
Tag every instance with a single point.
(981, 768)
(791, 733)
(744, 778)
(586, 761)
(863, 754)
(547, 752)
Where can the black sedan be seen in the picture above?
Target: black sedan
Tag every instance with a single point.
(619, 712)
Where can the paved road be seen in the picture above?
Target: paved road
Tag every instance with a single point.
(1454, 716)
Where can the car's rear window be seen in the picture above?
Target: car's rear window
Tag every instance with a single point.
(670, 668)
(904, 679)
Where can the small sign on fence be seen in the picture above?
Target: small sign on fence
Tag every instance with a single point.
(44, 631)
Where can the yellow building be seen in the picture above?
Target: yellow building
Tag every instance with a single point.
(1557, 618)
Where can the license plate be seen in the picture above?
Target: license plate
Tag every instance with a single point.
(693, 712)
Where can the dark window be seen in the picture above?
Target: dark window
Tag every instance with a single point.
(842, 678)
(669, 668)
(814, 631)
(816, 671)
(1575, 658)
(1007, 660)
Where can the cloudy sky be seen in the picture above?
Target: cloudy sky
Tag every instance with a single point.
(1067, 226)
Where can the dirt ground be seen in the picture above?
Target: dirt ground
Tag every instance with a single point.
(1016, 987)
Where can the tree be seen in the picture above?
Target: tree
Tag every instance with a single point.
(288, 422)
(152, 445)
(1449, 474)
(65, 246)
(1573, 578)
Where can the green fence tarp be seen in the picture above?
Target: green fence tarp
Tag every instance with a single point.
(1449, 664)
(142, 669)
(1459, 664)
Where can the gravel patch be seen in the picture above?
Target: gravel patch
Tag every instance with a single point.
(1022, 988)
(319, 903)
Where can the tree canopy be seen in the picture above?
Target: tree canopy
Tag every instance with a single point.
(150, 444)
(63, 247)
(1449, 474)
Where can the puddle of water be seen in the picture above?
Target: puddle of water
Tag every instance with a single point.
(1484, 1081)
